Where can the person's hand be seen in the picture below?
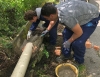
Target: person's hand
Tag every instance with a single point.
(29, 34)
(44, 32)
(66, 44)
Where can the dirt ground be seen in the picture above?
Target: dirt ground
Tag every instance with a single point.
(7, 64)
(46, 67)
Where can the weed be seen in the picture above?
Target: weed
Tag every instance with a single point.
(46, 53)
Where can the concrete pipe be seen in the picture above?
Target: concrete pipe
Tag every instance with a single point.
(23, 62)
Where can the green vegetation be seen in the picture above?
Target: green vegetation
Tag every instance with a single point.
(82, 70)
(46, 53)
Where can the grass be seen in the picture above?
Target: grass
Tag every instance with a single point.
(82, 70)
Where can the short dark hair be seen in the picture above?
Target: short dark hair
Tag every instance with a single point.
(48, 9)
(29, 15)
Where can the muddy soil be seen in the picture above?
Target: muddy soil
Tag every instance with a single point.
(7, 64)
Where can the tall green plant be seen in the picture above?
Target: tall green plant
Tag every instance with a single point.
(11, 17)
(32, 4)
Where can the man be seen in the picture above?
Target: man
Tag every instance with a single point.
(51, 26)
(80, 19)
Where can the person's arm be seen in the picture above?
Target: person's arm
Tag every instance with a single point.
(34, 25)
(48, 24)
(51, 24)
(32, 28)
(77, 32)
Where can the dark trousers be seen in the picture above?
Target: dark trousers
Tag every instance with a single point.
(52, 33)
(78, 46)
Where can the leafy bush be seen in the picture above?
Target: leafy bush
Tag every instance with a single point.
(10, 17)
